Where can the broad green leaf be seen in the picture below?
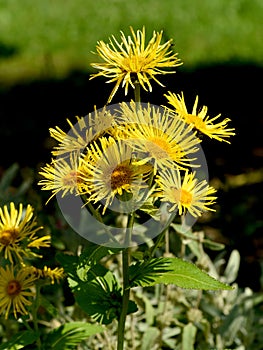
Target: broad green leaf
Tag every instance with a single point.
(185, 274)
(20, 340)
(188, 339)
(70, 334)
(176, 271)
(94, 253)
(144, 273)
(100, 298)
(69, 263)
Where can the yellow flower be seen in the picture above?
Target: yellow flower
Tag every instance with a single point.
(185, 194)
(132, 60)
(55, 274)
(166, 141)
(63, 175)
(86, 130)
(16, 287)
(112, 171)
(199, 119)
(17, 232)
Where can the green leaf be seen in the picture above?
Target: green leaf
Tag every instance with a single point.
(173, 271)
(95, 288)
(101, 297)
(150, 337)
(188, 339)
(69, 263)
(8, 177)
(51, 309)
(193, 237)
(20, 340)
(213, 245)
(232, 267)
(70, 334)
(94, 253)
(185, 274)
(144, 273)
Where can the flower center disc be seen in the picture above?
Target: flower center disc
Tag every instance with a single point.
(158, 148)
(13, 288)
(8, 236)
(197, 121)
(120, 177)
(183, 196)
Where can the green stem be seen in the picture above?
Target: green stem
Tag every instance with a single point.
(34, 316)
(160, 237)
(126, 284)
(137, 91)
(98, 217)
(126, 260)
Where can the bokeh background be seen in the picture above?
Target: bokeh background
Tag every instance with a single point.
(45, 54)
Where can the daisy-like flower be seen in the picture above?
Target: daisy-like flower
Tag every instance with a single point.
(16, 290)
(163, 140)
(112, 171)
(132, 60)
(63, 175)
(199, 119)
(18, 229)
(86, 130)
(185, 194)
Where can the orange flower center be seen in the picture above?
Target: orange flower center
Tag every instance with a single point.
(71, 179)
(13, 288)
(183, 196)
(134, 63)
(8, 236)
(120, 176)
(158, 147)
(196, 121)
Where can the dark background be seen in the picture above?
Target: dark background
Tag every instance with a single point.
(28, 110)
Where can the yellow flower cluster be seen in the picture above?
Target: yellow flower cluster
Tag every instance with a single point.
(18, 241)
(114, 154)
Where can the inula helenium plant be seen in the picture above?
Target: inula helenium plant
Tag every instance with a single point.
(126, 177)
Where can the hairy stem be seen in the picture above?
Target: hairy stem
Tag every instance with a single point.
(126, 285)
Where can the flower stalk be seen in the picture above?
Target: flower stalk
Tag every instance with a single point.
(126, 287)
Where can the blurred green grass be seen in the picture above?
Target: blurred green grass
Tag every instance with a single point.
(39, 38)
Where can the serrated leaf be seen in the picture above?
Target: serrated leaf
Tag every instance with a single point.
(144, 273)
(20, 340)
(71, 334)
(173, 271)
(100, 298)
(185, 274)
